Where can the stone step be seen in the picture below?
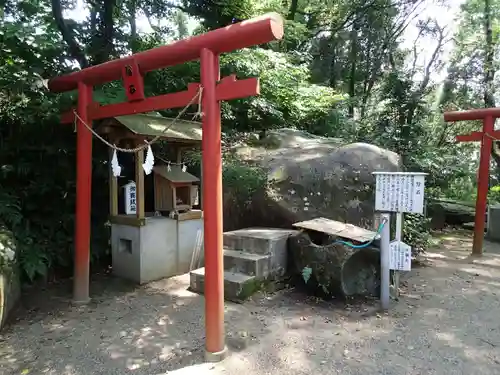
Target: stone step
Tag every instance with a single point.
(263, 241)
(237, 286)
(257, 240)
(247, 263)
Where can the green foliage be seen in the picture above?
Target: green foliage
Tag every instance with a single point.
(340, 71)
(416, 232)
(494, 194)
(7, 251)
(306, 274)
(220, 13)
(242, 179)
(287, 97)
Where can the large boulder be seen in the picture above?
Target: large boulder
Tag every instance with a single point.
(316, 177)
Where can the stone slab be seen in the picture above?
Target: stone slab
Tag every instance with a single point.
(247, 263)
(237, 286)
(263, 241)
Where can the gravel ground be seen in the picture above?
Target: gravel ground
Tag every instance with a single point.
(446, 322)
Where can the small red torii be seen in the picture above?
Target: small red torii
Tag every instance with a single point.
(206, 47)
(486, 137)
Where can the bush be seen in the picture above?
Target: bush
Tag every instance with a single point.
(243, 180)
(416, 232)
(243, 185)
(7, 250)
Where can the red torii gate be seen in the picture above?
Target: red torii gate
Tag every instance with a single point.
(207, 48)
(486, 136)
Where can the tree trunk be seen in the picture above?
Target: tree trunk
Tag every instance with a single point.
(489, 75)
(352, 73)
(68, 35)
(106, 33)
(133, 26)
(292, 10)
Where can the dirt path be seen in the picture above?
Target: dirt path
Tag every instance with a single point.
(447, 322)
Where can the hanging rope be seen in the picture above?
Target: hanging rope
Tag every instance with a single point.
(147, 144)
(366, 244)
(492, 137)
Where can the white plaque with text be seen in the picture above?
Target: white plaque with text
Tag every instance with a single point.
(400, 259)
(399, 192)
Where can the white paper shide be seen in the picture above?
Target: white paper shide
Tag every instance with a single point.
(149, 162)
(115, 166)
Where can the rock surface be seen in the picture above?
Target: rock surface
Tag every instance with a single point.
(317, 177)
(444, 212)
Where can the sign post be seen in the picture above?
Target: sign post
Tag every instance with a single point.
(397, 192)
(385, 258)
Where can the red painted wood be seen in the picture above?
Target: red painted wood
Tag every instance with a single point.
(476, 136)
(488, 116)
(226, 90)
(245, 34)
(83, 197)
(212, 200)
(471, 115)
(133, 82)
(472, 137)
(240, 35)
(482, 186)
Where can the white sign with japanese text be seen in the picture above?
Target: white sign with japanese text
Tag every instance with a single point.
(130, 198)
(399, 192)
(400, 259)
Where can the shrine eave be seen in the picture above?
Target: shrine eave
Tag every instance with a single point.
(153, 125)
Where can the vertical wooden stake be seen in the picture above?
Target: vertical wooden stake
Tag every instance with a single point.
(179, 155)
(399, 232)
(139, 182)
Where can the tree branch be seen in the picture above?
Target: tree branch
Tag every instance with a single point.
(293, 10)
(103, 38)
(75, 50)
(133, 26)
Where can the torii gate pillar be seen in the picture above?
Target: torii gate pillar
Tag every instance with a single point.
(486, 136)
(206, 47)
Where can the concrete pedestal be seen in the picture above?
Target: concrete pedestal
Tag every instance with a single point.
(162, 248)
(493, 223)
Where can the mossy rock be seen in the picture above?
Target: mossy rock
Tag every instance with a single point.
(335, 269)
(314, 176)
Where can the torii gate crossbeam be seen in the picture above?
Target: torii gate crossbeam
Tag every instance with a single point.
(206, 47)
